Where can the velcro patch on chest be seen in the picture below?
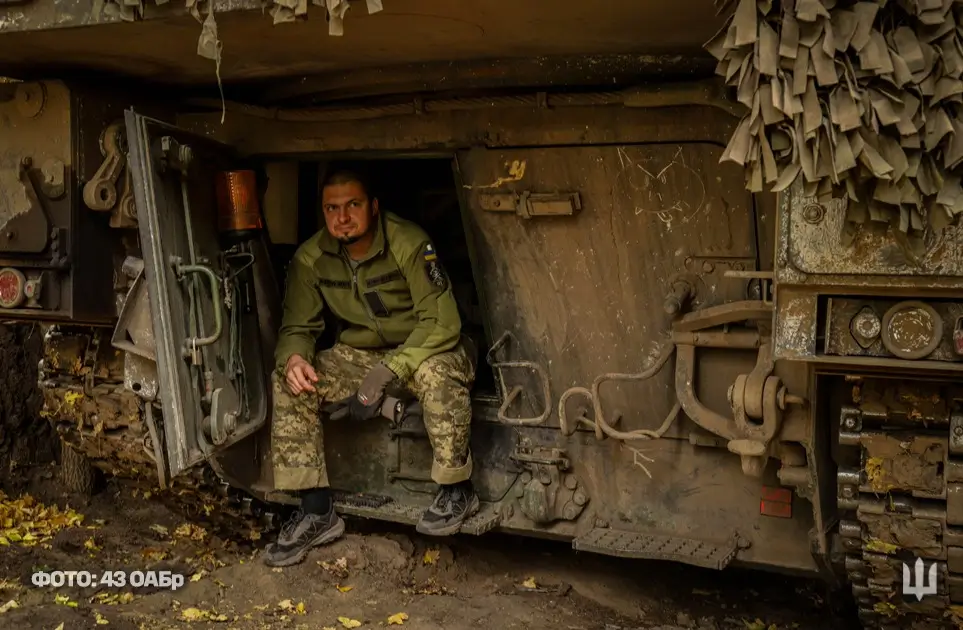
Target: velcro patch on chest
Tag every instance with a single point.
(335, 284)
(433, 269)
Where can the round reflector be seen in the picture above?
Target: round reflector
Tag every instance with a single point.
(11, 288)
(912, 330)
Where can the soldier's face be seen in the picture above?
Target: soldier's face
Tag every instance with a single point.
(348, 212)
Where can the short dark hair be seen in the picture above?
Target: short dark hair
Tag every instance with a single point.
(340, 176)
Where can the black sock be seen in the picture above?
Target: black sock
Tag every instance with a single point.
(462, 485)
(316, 501)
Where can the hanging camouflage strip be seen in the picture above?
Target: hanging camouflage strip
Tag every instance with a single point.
(863, 99)
(210, 46)
(281, 10)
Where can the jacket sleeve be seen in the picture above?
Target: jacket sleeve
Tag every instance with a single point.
(302, 321)
(439, 324)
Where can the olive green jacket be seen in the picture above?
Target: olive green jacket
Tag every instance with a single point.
(398, 297)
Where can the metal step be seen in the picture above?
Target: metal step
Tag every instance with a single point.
(486, 519)
(653, 546)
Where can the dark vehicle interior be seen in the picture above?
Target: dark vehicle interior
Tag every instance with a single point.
(422, 190)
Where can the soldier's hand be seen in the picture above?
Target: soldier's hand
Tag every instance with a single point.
(300, 375)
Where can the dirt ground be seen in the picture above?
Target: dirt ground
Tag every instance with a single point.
(368, 577)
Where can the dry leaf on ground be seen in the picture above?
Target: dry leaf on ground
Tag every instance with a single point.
(26, 521)
(398, 619)
(196, 614)
(160, 529)
(530, 583)
(431, 556)
(349, 623)
(189, 530)
(9, 606)
(288, 606)
(112, 599)
(338, 568)
(343, 589)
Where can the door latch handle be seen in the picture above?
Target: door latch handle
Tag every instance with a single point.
(191, 344)
(527, 204)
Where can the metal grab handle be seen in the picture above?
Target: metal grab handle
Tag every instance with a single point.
(196, 342)
(510, 396)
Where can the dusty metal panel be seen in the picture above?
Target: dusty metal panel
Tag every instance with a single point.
(812, 251)
(37, 197)
(817, 245)
(583, 295)
(794, 333)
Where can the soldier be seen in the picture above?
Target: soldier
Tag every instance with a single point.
(380, 276)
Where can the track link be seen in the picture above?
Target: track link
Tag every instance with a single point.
(900, 498)
(81, 378)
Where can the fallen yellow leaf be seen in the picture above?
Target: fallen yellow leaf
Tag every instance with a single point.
(196, 614)
(9, 606)
(193, 614)
(301, 610)
(349, 623)
(338, 568)
(91, 545)
(60, 627)
(285, 604)
(154, 554)
(197, 576)
(398, 619)
(344, 589)
(530, 583)
(431, 556)
(160, 529)
(101, 620)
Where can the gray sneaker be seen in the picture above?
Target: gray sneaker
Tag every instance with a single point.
(452, 505)
(300, 534)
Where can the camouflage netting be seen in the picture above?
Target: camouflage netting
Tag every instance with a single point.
(864, 99)
(281, 10)
(209, 45)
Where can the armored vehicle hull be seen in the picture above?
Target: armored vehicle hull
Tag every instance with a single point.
(669, 365)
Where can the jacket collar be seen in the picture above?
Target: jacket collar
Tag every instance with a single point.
(330, 245)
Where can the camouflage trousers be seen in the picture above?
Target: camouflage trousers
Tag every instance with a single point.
(441, 384)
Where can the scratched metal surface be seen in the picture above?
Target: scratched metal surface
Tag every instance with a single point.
(818, 248)
(583, 295)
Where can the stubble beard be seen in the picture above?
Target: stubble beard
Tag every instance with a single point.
(350, 240)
